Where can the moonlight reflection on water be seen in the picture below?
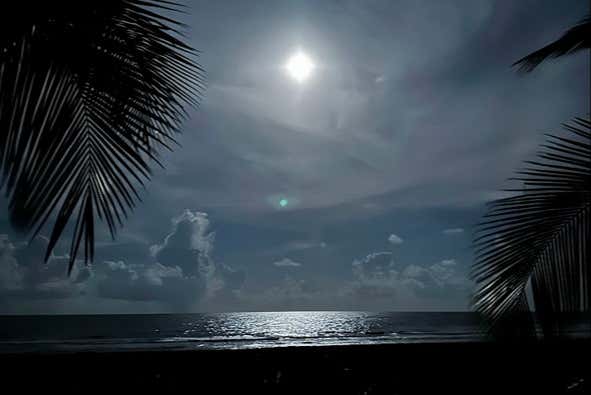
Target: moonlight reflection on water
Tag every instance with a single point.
(296, 324)
(233, 330)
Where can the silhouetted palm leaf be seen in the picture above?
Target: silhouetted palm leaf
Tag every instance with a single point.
(88, 91)
(541, 235)
(575, 39)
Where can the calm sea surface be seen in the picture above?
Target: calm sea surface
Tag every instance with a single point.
(230, 330)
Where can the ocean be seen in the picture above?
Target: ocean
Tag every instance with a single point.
(67, 333)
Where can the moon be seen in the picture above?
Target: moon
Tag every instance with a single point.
(299, 67)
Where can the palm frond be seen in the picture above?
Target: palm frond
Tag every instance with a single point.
(541, 235)
(575, 39)
(89, 91)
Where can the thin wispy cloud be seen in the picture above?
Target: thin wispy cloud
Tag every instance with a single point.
(453, 231)
(286, 262)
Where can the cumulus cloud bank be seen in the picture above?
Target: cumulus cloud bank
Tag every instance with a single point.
(380, 281)
(181, 274)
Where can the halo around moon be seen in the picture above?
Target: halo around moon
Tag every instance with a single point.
(299, 66)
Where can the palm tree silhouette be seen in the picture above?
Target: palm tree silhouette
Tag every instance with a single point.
(575, 39)
(542, 235)
(539, 239)
(89, 92)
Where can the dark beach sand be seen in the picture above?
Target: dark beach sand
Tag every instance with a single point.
(451, 368)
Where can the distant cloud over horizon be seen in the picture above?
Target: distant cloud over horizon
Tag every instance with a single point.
(379, 277)
(180, 275)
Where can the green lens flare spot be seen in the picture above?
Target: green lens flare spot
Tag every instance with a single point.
(283, 202)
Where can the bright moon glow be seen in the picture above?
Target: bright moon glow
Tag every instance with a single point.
(300, 66)
(283, 202)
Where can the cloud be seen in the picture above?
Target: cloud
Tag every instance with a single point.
(339, 144)
(286, 262)
(453, 231)
(183, 272)
(146, 282)
(436, 279)
(371, 258)
(394, 239)
(380, 281)
(188, 246)
(374, 268)
(179, 272)
(24, 274)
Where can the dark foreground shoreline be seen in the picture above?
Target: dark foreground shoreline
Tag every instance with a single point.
(417, 368)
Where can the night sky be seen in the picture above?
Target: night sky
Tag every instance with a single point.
(357, 188)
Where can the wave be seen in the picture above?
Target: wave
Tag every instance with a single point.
(229, 342)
